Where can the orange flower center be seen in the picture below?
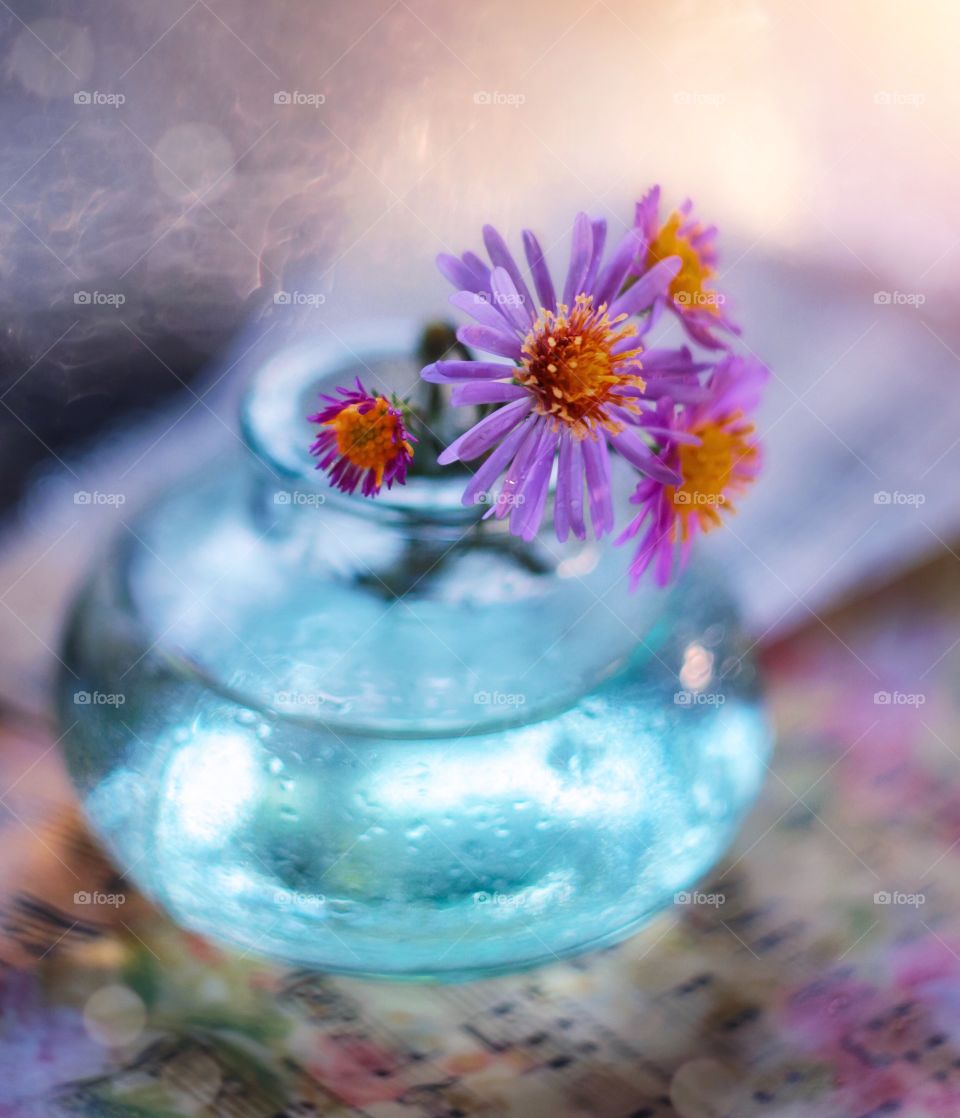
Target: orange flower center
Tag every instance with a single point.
(713, 472)
(688, 287)
(369, 439)
(570, 367)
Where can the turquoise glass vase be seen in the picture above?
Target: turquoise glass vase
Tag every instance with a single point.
(385, 737)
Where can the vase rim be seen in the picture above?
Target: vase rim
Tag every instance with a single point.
(285, 389)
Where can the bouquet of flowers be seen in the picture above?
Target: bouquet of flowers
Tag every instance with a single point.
(563, 378)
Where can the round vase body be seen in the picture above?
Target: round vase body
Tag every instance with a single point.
(385, 737)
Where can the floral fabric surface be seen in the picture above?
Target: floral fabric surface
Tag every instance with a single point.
(816, 973)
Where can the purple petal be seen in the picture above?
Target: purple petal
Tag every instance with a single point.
(480, 268)
(671, 434)
(484, 434)
(509, 301)
(489, 340)
(596, 460)
(461, 275)
(668, 362)
(492, 467)
(501, 255)
(568, 504)
(648, 287)
(453, 372)
(477, 306)
(645, 214)
(656, 311)
(527, 514)
(580, 252)
(599, 240)
(487, 392)
(692, 393)
(540, 271)
(641, 457)
(615, 271)
(518, 469)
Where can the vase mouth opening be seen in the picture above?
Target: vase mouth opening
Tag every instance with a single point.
(286, 389)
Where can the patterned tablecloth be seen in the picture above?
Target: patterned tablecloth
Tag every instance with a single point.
(815, 973)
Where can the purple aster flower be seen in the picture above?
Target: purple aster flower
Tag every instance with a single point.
(364, 438)
(575, 388)
(690, 296)
(715, 454)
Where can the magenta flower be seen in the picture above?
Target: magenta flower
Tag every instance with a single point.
(698, 306)
(580, 381)
(364, 438)
(715, 455)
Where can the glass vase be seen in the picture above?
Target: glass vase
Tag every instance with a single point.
(385, 737)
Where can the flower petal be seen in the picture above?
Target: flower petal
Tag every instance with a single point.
(648, 287)
(461, 275)
(475, 304)
(599, 240)
(509, 302)
(453, 372)
(486, 392)
(518, 470)
(539, 271)
(596, 460)
(670, 362)
(646, 212)
(527, 513)
(676, 390)
(501, 255)
(489, 340)
(581, 250)
(642, 458)
(491, 468)
(615, 271)
(568, 502)
(484, 434)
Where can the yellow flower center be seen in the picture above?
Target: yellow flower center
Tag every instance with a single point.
(688, 287)
(369, 439)
(570, 368)
(715, 470)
